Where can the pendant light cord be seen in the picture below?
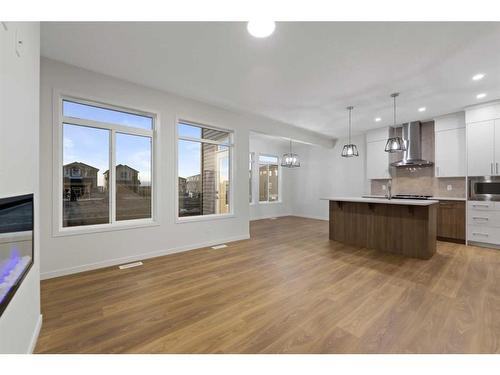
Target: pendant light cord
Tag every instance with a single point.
(394, 110)
(394, 96)
(350, 109)
(349, 133)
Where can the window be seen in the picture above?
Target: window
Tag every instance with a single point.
(97, 139)
(250, 173)
(203, 164)
(268, 178)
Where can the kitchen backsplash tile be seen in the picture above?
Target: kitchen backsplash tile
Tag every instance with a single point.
(424, 185)
(420, 180)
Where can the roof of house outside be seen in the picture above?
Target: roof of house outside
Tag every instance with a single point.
(122, 166)
(80, 164)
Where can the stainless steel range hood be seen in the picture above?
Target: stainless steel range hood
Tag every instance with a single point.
(412, 157)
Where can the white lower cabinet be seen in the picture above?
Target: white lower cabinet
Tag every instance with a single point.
(484, 234)
(483, 222)
(481, 206)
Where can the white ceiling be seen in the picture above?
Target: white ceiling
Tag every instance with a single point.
(305, 74)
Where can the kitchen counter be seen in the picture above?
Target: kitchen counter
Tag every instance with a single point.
(450, 199)
(460, 199)
(400, 226)
(372, 199)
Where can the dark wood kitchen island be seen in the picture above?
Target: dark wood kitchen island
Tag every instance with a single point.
(401, 226)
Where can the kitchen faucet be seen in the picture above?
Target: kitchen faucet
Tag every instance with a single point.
(389, 190)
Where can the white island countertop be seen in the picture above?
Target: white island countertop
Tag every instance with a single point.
(405, 202)
(431, 198)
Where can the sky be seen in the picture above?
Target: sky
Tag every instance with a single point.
(91, 145)
(190, 153)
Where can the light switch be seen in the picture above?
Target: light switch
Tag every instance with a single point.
(384, 187)
(449, 187)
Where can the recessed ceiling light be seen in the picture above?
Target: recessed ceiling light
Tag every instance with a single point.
(478, 77)
(480, 96)
(422, 109)
(261, 29)
(378, 119)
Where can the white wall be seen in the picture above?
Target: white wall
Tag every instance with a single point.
(325, 173)
(69, 254)
(263, 144)
(19, 118)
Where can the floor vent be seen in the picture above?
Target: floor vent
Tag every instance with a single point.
(130, 265)
(217, 247)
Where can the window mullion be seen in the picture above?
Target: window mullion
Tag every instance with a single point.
(267, 190)
(203, 140)
(104, 125)
(112, 177)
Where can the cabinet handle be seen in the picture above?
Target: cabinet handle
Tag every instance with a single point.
(480, 205)
(480, 234)
(491, 167)
(480, 218)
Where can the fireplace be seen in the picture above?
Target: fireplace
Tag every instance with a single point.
(16, 244)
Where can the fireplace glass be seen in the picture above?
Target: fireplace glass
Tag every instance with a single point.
(16, 244)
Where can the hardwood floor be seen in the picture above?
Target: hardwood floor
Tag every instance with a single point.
(287, 290)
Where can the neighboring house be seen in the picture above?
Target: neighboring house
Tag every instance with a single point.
(80, 181)
(126, 177)
(193, 186)
(182, 185)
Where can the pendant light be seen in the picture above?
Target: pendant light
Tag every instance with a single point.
(349, 150)
(395, 144)
(290, 160)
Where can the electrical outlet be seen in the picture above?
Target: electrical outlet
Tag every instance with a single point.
(384, 188)
(449, 187)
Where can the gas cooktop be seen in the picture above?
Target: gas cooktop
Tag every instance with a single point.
(411, 196)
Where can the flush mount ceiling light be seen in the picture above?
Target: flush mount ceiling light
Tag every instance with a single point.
(395, 144)
(478, 77)
(378, 119)
(422, 109)
(349, 149)
(290, 160)
(481, 96)
(261, 29)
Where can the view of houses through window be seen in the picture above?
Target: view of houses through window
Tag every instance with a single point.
(268, 178)
(90, 135)
(204, 156)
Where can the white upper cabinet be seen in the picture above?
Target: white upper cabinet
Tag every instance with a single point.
(450, 153)
(496, 167)
(449, 145)
(481, 148)
(377, 160)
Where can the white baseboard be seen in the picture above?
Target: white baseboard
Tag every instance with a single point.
(133, 258)
(36, 333)
(262, 217)
(312, 217)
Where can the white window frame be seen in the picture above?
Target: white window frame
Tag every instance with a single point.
(251, 163)
(279, 179)
(57, 194)
(187, 219)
